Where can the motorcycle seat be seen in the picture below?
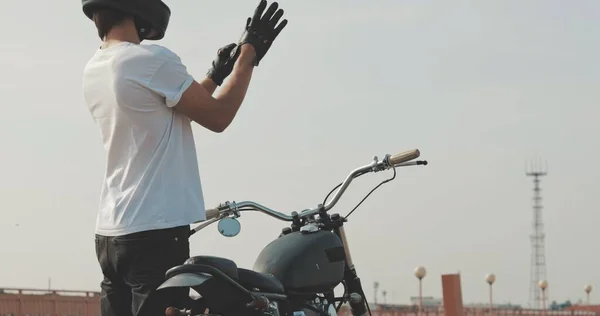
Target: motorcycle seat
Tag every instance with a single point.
(224, 265)
(247, 278)
(262, 281)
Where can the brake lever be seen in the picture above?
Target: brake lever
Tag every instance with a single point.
(414, 163)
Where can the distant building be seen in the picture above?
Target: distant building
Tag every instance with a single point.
(507, 306)
(428, 301)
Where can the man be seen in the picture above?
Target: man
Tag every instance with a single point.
(143, 99)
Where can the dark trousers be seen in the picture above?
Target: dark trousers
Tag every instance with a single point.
(134, 266)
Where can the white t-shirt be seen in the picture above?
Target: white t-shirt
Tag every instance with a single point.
(151, 179)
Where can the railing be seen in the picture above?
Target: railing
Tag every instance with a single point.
(468, 311)
(35, 302)
(32, 302)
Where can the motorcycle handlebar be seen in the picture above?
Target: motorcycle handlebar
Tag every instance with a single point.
(390, 161)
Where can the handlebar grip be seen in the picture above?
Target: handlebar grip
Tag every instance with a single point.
(404, 157)
(171, 311)
(212, 213)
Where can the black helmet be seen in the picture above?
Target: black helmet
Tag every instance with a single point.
(150, 15)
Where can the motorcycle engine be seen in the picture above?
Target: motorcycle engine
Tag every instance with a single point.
(323, 306)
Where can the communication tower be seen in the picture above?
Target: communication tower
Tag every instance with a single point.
(538, 255)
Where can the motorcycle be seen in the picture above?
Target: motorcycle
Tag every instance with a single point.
(294, 275)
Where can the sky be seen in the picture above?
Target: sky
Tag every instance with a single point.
(479, 87)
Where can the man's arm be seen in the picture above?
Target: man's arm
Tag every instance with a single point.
(217, 113)
(209, 85)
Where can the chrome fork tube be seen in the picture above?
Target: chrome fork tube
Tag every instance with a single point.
(344, 239)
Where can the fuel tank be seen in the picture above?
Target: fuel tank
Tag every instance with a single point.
(305, 262)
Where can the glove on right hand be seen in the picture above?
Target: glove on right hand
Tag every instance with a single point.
(261, 31)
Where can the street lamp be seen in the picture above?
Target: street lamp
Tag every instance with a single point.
(420, 273)
(543, 284)
(490, 279)
(588, 289)
(376, 287)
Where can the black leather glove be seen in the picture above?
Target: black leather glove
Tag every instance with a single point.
(222, 66)
(261, 31)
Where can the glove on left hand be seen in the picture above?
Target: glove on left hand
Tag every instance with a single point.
(222, 66)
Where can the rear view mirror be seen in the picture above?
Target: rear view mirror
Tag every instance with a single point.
(229, 227)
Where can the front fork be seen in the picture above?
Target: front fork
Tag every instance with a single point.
(355, 293)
